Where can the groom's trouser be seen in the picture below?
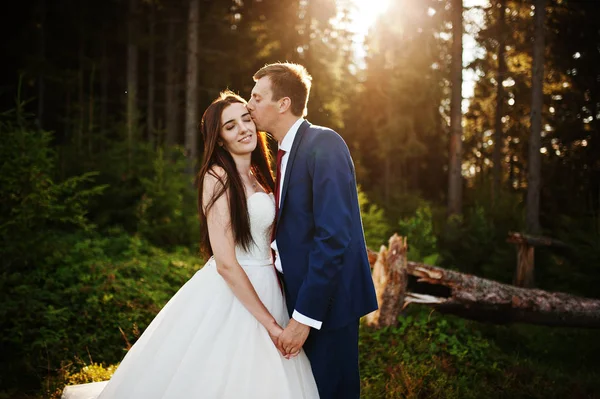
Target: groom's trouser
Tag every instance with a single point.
(333, 356)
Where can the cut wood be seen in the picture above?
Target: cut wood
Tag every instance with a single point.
(536, 241)
(477, 298)
(389, 278)
(525, 255)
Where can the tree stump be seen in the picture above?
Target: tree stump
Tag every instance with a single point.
(389, 278)
(525, 256)
(525, 264)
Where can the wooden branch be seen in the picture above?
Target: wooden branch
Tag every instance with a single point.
(472, 297)
(536, 241)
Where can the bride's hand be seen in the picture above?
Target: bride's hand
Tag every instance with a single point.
(275, 331)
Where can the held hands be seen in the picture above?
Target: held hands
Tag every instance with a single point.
(290, 341)
(275, 331)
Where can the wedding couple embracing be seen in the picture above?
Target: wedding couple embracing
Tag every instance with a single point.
(275, 311)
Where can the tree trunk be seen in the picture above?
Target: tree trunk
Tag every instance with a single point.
(390, 283)
(387, 172)
(41, 84)
(501, 75)
(191, 89)
(537, 102)
(477, 298)
(80, 100)
(486, 300)
(68, 111)
(132, 77)
(151, 74)
(455, 155)
(90, 128)
(104, 83)
(511, 173)
(171, 109)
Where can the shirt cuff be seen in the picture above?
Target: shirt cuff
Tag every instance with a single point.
(307, 321)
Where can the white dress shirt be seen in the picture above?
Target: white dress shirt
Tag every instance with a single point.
(286, 145)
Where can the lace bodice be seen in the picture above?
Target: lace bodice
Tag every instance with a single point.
(261, 208)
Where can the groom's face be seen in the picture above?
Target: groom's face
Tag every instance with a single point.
(263, 109)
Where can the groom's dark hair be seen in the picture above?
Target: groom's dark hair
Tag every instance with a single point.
(288, 80)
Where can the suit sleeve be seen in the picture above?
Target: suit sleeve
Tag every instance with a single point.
(332, 173)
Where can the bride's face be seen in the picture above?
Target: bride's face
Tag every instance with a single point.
(238, 131)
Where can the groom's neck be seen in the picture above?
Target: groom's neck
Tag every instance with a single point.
(284, 125)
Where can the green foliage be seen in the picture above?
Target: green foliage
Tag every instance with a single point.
(425, 356)
(421, 239)
(473, 244)
(33, 202)
(374, 222)
(91, 296)
(167, 211)
(576, 268)
(428, 355)
(121, 171)
(153, 195)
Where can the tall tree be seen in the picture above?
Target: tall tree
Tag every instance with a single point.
(191, 88)
(500, 76)
(104, 77)
(151, 134)
(41, 83)
(80, 78)
(171, 88)
(395, 138)
(537, 102)
(132, 76)
(455, 153)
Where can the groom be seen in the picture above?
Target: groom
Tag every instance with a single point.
(319, 242)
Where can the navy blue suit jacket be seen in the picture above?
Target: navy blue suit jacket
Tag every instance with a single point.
(319, 233)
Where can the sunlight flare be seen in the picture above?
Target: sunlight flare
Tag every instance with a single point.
(365, 14)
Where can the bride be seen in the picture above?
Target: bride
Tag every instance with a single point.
(216, 338)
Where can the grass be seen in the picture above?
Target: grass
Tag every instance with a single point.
(429, 355)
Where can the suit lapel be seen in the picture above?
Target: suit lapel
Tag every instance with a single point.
(290, 164)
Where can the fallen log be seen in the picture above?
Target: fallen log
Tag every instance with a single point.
(481, 299)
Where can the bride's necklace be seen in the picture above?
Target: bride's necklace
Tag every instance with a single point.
(253, 181)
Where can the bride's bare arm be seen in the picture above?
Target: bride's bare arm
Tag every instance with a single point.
(223, 245)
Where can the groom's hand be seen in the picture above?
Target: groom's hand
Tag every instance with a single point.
(293, 337)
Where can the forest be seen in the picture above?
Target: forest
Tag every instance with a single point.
(467, 120)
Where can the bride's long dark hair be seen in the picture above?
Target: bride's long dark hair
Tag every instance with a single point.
(215, 155)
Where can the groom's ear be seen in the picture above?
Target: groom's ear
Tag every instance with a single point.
(284, 104)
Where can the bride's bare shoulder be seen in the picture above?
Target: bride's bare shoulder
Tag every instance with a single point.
(214, 177)
(214, 185)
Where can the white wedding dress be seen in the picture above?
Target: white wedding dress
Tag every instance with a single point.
(205, 344)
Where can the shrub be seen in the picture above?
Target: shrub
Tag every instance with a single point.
(421, 239)
(167, 212)
(32, 201)
(92, 295)
(375, 226)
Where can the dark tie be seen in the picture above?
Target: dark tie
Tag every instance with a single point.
(278, 178)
